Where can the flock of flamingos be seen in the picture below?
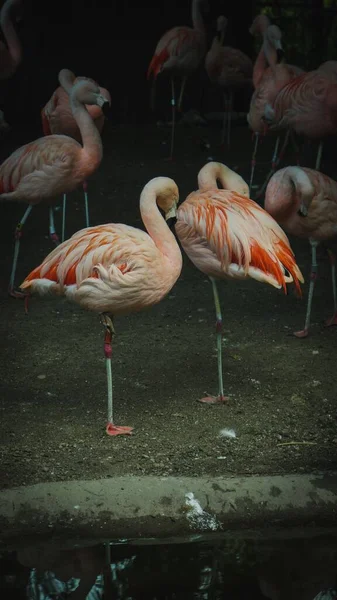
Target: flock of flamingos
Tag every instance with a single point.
(115, 269)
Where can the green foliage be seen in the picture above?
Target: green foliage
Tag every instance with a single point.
(300, 40)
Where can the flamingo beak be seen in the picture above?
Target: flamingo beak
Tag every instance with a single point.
(302, 211)
(279, 54)
(171, 216)
(106, 109)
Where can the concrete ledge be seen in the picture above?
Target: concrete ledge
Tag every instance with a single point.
(136, 507)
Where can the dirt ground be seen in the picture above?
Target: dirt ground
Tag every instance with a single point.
(53, 384)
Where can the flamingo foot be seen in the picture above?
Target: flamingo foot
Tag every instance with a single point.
(332, 321)
(221, 399)
(16, 293)
(112, 429)
(301, 334)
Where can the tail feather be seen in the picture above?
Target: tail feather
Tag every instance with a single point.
(156, 63)
(287, 258)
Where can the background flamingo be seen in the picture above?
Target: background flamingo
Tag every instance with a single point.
(304, 202)
(269, 77)
(308, 106)
(180, 52)
(228, 236)
(115, 269)
(229, 68)
(10, 54)
(57, 118)
(54, 164)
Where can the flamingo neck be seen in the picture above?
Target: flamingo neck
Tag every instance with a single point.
(156, 226)
(67, 80)
(197, 20)
(10, 35)
(92, 152)
(213, 172)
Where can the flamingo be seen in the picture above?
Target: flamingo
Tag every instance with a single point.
(269, 77)
(307, 105)
(53, 165)
(304, 202)
(116, 269)
(10, 55)
(228, 236)
(57, 118)
(229, 68)
(180, 52)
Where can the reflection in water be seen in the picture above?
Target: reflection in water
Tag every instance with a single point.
(230, 568)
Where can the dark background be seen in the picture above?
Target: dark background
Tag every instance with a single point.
(112, 42)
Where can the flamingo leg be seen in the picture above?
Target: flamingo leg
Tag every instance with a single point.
(295, 146)
(221, 398)
(17, 235)
(275, 162)
(224, 122)
(319, 156)
(86, 203)
(111, 429)
(173, 104)
(313, 276)
(333, 320)
(64, 216)
(183, 83)
(52, 233)
(253, 163)
(229, 115)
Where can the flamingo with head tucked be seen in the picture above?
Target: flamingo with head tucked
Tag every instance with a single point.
(304, 202)
(54, 164)
(228, 236)
(115, 269)
(179, 52)
(57, 118)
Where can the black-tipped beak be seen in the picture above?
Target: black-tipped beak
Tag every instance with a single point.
(280, 54)
(106, 110)
(171, 222)
(302, 211)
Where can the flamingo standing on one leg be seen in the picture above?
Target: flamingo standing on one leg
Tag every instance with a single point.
(228, 236)
(180, 52)
(229, 68)
(304, 203)
(54, 164)
(269, 77)
(116, 269)
(57, 118)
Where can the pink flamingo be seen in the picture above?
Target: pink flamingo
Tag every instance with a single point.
(307, 105)
(304, 203)
(180, 52)
(229, 68)
(10, 55)
(115, 269)
(228, 236)
(268, 78)
(57, 118)
(53, 165)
